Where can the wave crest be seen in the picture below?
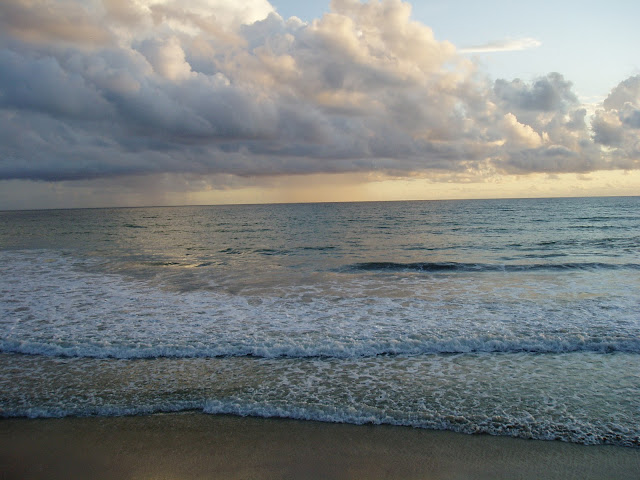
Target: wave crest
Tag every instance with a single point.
(484, 267)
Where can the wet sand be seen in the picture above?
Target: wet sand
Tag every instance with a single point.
(197, 446)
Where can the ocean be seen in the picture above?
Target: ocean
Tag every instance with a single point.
(507, 317)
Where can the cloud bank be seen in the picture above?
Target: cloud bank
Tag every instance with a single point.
(93, 89)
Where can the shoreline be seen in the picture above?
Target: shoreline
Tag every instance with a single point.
(190, 445)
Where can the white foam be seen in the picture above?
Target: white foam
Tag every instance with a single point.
(53, 308)
(594, 401)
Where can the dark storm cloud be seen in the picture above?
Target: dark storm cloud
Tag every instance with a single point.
(106, 88)
(553, 159)
(42, 85)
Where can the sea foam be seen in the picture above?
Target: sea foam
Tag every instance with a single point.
(54, 308)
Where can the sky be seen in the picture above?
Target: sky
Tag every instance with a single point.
(168, 102)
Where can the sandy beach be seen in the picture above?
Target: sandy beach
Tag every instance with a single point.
(193, 445)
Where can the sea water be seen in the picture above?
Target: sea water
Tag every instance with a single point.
(509, 317)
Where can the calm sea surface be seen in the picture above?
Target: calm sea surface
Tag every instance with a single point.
(511, 317)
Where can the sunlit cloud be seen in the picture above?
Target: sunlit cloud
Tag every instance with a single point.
(106, 89)
(506, 45)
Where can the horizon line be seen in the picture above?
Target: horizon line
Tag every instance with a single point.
(108, 207)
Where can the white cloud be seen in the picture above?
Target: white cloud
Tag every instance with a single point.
(224, 12)
(519, 134)
(167, 58)
(505, 45)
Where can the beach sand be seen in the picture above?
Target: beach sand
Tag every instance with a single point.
(194, 445)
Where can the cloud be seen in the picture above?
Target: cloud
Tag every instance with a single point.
(209, 88)
(223, 12)
(547, 94)
(506, 45)
(617, 124)
(66, 22)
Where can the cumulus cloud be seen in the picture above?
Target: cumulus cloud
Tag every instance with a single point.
(105, 88)
(617, 124)
(548, 94)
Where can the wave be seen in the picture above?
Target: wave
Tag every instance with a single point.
(312, 348)
(484, 267)
(525, 427)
